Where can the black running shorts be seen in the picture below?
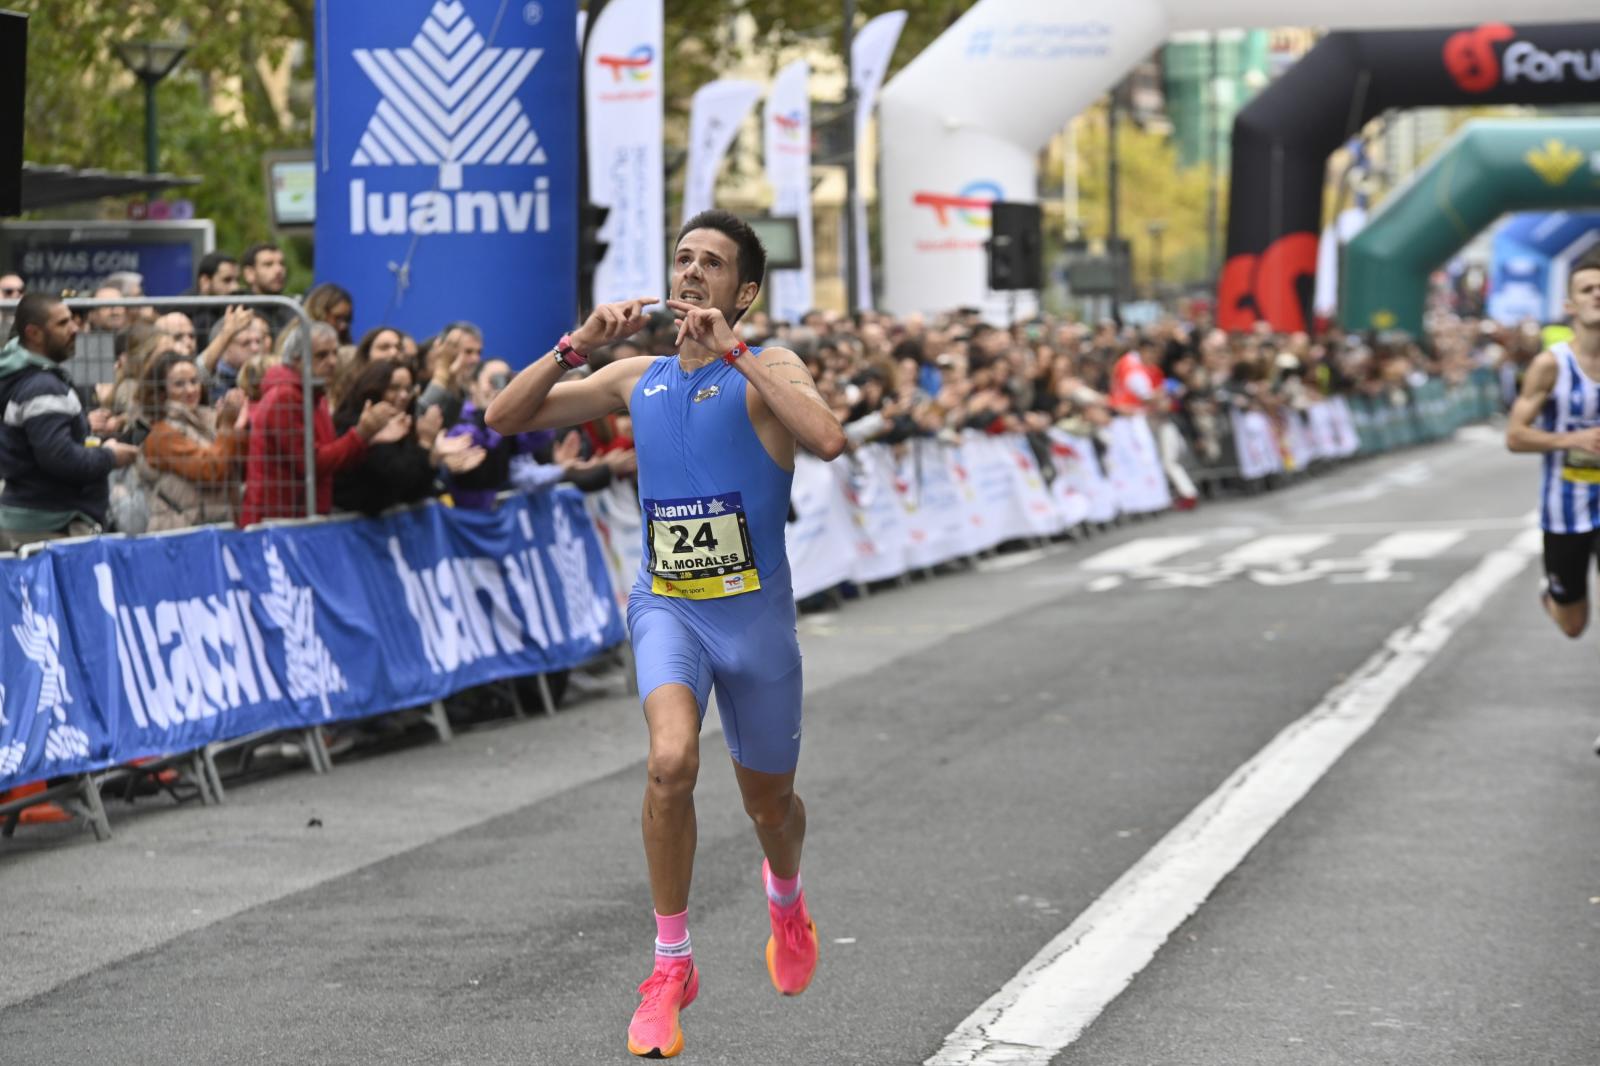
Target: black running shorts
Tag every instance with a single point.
(1567, 558)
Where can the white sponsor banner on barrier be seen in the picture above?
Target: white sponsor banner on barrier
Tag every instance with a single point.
(1302, 449)
(715, 114)
(1257, 447)
(882, 555)
(1344, 426)
(1134, 467)
(1039, 517)
(990, 464)
(976, 534)
(822, 539)
(623, 121)
(615, 513)
(937, 523)
(1324, 434)
(870, 52)
(788, 162)
(1080, 488)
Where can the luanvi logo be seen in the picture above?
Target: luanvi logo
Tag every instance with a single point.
(449, 100)
(1473, 62)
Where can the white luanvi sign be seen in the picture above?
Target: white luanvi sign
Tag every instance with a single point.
(448, 100)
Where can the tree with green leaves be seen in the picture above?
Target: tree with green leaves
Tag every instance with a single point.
(217, 111)
(245, 85)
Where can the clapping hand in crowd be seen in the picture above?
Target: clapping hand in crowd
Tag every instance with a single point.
(125, 454)
(458, 454)
(380, 418)
(568, 451)
(429, 423)
(231, 411)
(453, 365)
(624, 462)
(103, 423)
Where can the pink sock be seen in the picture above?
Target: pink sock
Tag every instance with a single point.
(783, 890)
(672, 935)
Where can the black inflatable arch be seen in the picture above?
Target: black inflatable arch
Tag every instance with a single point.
(1282, 140)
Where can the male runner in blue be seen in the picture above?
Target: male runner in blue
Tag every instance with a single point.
(715, 428)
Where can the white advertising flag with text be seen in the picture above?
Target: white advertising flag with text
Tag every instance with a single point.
(870, 53)
(714, 117)
(623, 115)
(788, 150)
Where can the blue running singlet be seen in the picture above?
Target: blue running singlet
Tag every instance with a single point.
(713, 604)
(1570, 496)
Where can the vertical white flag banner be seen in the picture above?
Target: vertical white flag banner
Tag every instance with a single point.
(870, 52)
(788, 146)
(623, 103)
(714, 116)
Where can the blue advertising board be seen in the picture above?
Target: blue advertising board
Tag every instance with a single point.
(447, 166)
(117, 648)
(57, 257)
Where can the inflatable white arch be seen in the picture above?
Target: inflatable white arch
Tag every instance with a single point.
(963, 123)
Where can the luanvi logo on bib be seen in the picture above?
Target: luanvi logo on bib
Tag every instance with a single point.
(449, 100)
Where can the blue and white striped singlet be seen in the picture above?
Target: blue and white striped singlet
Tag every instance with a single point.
(1570, 502)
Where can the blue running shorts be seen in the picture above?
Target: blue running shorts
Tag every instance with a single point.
(747, 647)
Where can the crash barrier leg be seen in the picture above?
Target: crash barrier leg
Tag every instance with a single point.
(80, 787)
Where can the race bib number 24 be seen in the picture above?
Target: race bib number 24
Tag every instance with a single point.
(700, 547)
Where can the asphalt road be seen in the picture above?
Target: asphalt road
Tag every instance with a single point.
(986, 754)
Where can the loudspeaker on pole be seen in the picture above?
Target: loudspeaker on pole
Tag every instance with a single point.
(1015, 246)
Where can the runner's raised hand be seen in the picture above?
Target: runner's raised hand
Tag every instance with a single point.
(612, 322)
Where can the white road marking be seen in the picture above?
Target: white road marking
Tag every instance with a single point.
(1470, 525)
(1418, 544)
(1402, 477)
(1055, 997)
(1146, 551)
(1015, 559)
(1276, 549)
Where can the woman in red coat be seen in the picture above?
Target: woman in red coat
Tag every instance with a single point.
(275, 472)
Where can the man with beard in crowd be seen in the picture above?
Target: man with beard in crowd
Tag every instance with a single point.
(55, 481)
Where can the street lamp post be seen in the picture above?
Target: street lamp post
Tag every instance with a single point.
(852, 280)
(150, 61)
(1155, 227)
(1113, 203)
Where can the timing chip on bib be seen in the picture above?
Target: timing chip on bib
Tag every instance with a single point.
(700, 547)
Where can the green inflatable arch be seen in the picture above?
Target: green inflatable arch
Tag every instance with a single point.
(1489, 168)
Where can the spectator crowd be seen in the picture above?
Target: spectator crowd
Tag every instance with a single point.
(204, 420)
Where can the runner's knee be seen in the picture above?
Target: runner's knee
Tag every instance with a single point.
(770, 811)
(673, 770)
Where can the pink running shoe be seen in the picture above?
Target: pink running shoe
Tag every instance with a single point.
(654, 1032)
(792, 947)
